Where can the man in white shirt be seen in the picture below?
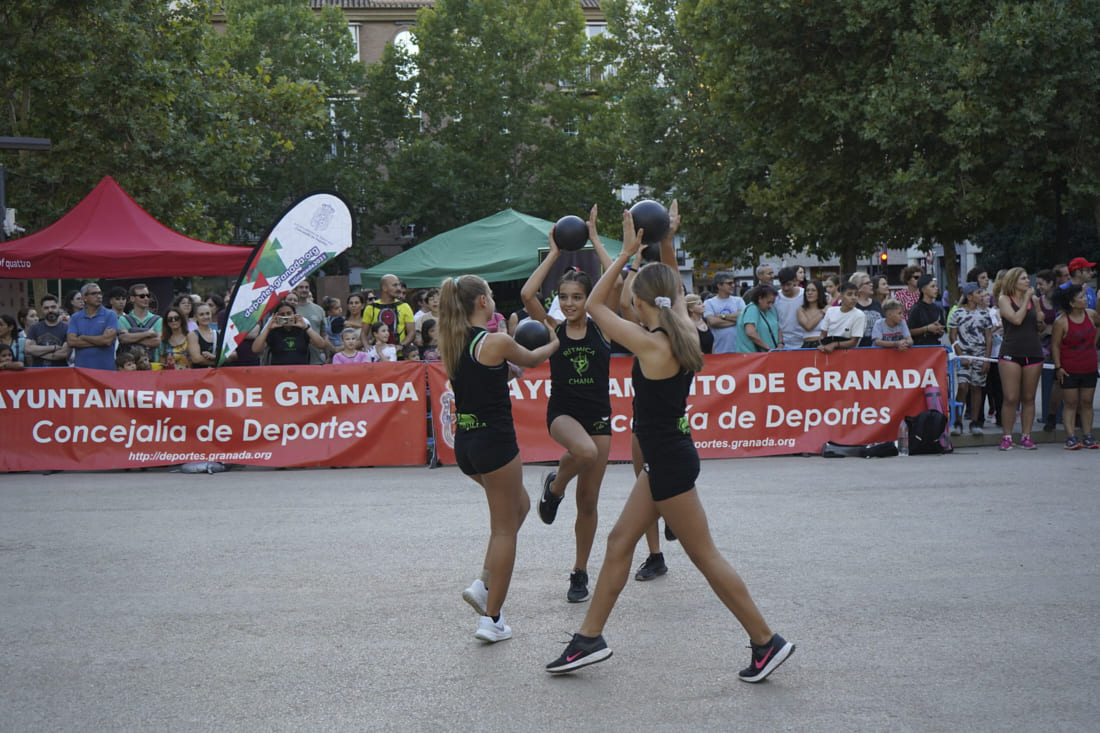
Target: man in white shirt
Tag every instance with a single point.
(786, 306)
(721, 313)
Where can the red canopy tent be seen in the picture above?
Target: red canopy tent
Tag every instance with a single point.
(108, 234)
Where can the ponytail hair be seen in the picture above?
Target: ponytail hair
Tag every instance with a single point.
(659, 281)
(457, 300)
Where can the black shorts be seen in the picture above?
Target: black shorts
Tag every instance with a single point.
(1079, 381)
(485, 450)
(1024, 361)
(672, 464)
(592, 423)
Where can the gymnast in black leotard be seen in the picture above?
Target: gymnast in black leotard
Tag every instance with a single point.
(667, 355)
(485, 441)
(578, 414)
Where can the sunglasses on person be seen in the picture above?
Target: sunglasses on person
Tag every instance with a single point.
(173, 319)
(142, 295)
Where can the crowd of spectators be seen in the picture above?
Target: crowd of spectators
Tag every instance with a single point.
(782, 310)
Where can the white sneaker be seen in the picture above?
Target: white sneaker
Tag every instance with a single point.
(477, 595)
(976, 430)
(956, 429)
(491, 631)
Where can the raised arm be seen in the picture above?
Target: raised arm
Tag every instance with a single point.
(615, 295)
(529, 294)
(1015, 316)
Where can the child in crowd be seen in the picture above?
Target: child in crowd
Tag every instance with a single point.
(891, 331)
(380, 349)
(410, 352)
(429, 340)
(842, 326)
(350, 353)
(125, 361)
(7, 360)
(970, 331)
(141, 357)
(334, 319)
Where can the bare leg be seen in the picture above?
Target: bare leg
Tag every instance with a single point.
(1029, 382)
(961, 395)
(1085, 398)
(508, 507)
(685, 513)
(638, 513)
(976, 401)
(653, 534)
(586, 459)
(1011, 376)
(1070, 400)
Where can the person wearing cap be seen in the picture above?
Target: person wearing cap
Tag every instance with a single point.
(970, 332)
(721, 313)
(1081, 272)
(927, 322)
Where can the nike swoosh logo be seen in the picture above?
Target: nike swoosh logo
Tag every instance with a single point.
(571, 658)
(762, 662)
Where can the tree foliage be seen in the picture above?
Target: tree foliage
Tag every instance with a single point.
(662, 127)
(883, 123)
(211, 134)
(834, 126)
(490, 113)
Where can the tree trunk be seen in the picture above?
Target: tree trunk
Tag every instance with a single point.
(848, 257)
(950, 280)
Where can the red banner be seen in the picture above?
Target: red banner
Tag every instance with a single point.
(374, 415)
(336, 415)
(743, 405)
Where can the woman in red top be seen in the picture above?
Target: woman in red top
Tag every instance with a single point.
(1073, 344)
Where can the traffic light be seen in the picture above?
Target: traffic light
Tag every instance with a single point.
(882, 258)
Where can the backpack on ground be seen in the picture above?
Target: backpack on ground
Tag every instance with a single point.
(925, 431)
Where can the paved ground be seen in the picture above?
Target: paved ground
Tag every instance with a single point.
(937, 593)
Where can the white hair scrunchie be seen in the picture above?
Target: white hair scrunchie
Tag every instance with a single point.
(662, 302)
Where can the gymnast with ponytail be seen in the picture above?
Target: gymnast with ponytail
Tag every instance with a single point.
(666, 356)
(479, 365)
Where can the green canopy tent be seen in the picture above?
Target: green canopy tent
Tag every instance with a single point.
(504, 246)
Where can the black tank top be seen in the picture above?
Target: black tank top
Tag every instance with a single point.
(706, 341)
(660, 404)
(579, 373)
(481, 392)
(1022, 341)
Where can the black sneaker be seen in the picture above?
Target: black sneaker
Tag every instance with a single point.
(548, 504)
(653, 566)
(578, 587)
(766, 658)
(669, 534)
(581, 652)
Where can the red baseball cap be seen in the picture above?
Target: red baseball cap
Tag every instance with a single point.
(1080, 263)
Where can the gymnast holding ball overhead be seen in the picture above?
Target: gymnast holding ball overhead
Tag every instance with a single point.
(666, 357)
(578, 414)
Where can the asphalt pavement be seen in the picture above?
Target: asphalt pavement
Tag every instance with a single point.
(928, 593)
